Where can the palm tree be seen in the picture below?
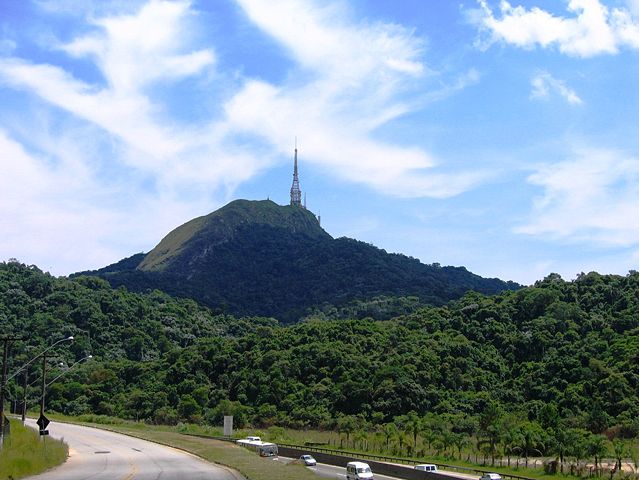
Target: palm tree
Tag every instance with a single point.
(429, 432)
(359, 438)
(390, 431)
(511, 438)
(620, 450)
(401, 440)
(460, 441)
(346, 424)
(577, 446)
(448, 439)
(561, 444)
(414, 425)
(489, 442)
(597, 448)
(490, 428)
(531, 438)
(377, 436)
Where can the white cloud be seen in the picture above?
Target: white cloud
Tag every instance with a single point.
(133, 52)
(348, 79)
(593, 197)
(358, 75)
(633, 6)
(543, 84)
(57, 208)
(593, 29)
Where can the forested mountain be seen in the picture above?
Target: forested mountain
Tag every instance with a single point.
(260, 258)
(556, 352)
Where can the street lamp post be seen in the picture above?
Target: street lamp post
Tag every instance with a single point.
(67, 339)
(88, 357)
(4, 379)
(3, 382)
(26, 384)
(43, 419)
(24, 394)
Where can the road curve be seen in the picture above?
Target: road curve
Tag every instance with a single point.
(96, 454)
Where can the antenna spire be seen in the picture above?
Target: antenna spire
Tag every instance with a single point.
(296, 193)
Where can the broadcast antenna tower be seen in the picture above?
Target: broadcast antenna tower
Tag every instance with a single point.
(296, 193)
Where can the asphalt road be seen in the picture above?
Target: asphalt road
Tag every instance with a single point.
(331, 471)
(100, 455)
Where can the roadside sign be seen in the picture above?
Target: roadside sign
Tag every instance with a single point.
(228, 425)
(44, 432)
(43, 422)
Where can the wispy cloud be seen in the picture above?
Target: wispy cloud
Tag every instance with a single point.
(110, 83)
(64, 214)
(544, 84)
(593, 197)
(358, 77)
(592, 29)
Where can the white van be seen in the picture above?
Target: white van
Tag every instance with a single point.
(358, 471)
(426, 467)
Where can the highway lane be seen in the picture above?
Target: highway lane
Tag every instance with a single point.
(96, 454)
(331, 471)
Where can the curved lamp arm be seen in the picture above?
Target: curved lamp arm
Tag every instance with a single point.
(68, 339)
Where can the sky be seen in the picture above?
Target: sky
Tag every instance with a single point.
(497, 135)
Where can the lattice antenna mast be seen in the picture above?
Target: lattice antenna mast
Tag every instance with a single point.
(296, 193)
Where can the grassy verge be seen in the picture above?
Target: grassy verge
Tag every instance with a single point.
(24, 453)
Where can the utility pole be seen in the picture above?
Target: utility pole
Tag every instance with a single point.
(7, 341)
(24, 395)
(44, 384)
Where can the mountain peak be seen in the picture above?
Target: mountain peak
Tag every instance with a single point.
(224, 224)
(261, 258)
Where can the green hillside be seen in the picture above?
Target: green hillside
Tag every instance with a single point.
(562, 355)
(222, 226)
(260, 258)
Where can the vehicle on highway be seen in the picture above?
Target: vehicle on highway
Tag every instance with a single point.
(358, 471)
(426, 467)
(264, 449)
(308, 460)
(490, 476)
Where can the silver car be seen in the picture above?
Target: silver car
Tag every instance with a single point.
(308, 460)
(490, 476)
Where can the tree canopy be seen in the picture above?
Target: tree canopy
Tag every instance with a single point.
(556, 353)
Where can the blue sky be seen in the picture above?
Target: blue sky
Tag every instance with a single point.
(501, 136)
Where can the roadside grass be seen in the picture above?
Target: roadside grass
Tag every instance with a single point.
(24, 453)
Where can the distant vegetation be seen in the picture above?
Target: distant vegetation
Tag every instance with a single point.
(260, 258)
(545, 369)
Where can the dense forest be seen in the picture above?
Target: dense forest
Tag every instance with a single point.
(260, 258)
(554, 357)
